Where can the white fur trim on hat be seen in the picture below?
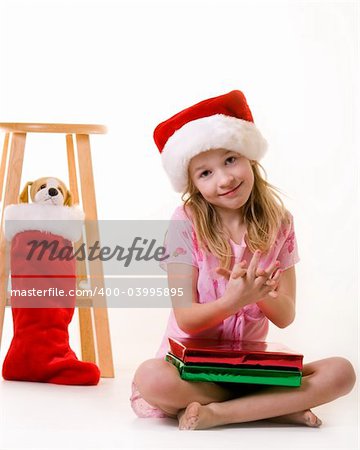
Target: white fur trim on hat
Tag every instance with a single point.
(212, 132)
(66, 221)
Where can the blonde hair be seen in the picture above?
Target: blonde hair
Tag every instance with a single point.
(263, 214)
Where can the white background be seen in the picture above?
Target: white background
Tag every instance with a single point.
(130, 65)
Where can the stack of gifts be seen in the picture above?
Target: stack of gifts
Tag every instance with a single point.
(235, 361)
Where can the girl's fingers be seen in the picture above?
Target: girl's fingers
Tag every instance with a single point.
(274, 283)
(240, 273)
(223, 272)
(238, 269)
(275, 279)
(254, 263)
(244, 269)
(277, 275)
(269, 272)
(260, 272)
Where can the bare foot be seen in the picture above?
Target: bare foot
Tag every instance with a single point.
(200, 417)
(195, 417)
(306, 417)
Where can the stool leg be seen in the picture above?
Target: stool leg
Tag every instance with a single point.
(85, 320)
(12, 190)
(3, 163)
(95, 267)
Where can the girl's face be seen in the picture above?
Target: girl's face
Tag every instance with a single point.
(224, 178)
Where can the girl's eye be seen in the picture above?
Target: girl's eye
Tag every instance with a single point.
(43, 186)
(230, 160)
(205, 174)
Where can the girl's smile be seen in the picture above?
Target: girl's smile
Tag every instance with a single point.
(232, 192)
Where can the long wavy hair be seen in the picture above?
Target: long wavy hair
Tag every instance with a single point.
(263, 214)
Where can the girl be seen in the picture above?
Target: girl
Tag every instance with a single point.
(232, 252)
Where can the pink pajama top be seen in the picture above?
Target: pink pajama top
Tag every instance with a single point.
(247, 324)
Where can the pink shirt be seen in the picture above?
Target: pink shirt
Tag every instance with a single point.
(247, 324)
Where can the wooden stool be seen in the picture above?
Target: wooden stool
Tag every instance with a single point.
(10, 172)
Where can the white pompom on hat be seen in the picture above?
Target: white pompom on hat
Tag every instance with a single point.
(219, 122)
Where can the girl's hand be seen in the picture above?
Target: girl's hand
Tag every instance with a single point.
(272, 280)
(249, 285)
(239, 272)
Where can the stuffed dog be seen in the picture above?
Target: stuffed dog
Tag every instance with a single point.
(48, 191)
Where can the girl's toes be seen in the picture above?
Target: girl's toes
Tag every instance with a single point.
(190, 417)
(311, 419)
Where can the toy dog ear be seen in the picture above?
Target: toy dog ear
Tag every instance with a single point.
(68, 199)
(24, 196)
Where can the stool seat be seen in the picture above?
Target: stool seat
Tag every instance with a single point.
(52, 128)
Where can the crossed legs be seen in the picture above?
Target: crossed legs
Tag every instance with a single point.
(206, 405)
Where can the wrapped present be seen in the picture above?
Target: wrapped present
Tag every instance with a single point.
(248, 353)
(235, 374)
(235, 361)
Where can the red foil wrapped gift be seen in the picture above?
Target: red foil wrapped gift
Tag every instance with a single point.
(235, 353)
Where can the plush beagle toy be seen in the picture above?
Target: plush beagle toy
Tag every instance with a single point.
(49, 191)
(50, 209)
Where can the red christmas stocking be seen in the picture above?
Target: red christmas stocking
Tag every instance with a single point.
(44, 280)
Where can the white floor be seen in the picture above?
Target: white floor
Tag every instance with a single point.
(34, 415)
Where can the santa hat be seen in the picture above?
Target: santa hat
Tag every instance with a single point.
(219, 122)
